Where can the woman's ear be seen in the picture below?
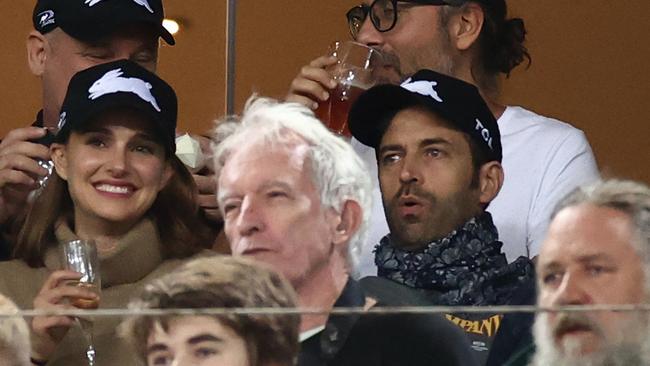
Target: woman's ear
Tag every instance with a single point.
(348, 223)
(490, 181)
(36, 52)
(60, 160)
(467, 26)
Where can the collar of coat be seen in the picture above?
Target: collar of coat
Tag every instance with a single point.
(136, 254)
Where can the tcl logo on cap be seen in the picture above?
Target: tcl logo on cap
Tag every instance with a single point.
(485, 133)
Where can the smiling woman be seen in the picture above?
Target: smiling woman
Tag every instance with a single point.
(118, 182)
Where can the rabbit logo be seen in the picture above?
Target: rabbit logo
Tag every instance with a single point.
(113, 82)
(139, 2)
(422, 87)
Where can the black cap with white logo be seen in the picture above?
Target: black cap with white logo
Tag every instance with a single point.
(454, 100)
(91, 20)
(117, 84)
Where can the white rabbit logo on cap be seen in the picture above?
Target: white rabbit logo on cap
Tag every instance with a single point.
(139, 2)
(422, 87)
(112, 82)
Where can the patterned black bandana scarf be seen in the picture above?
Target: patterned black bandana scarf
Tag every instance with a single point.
(466, 267)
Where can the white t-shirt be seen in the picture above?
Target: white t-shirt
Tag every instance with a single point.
(543, 160)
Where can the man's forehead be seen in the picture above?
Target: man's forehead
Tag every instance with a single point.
(135, 32)
(417, 124)
(261, 149)
(141, 33)
(264, 159)
(588, 231)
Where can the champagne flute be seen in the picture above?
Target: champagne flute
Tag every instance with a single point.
(81, 256)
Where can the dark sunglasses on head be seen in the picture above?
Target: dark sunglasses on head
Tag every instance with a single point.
(383, 13)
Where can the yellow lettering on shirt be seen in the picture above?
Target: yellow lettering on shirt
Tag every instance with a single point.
(487, 327)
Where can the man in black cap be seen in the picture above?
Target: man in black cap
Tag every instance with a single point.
(475, 41)
(70, 36)
(438, 150)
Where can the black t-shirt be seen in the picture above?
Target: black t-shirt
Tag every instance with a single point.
(481, 329)
(494, 338)
(385, 340)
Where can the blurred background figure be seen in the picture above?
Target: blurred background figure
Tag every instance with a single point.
(14, 336)
(116, 182)
(216, 340)
(597, 252)
(297, 197)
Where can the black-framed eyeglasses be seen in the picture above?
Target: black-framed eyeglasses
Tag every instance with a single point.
(383, 13)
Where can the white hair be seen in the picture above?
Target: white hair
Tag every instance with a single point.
(634, 349)
(629, 197)
(338, 172)
(14, 336)
(632, 199)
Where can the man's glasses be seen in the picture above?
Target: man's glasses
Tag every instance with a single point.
(383, 13)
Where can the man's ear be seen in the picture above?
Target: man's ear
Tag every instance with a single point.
(465, 27)
(348, 222)
(490, 181)
(37, 46)
(60, 160)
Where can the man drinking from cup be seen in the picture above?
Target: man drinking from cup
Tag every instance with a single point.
(475, 41)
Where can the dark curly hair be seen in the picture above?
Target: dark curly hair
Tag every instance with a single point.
(500, 44)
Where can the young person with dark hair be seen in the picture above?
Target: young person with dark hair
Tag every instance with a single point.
(216, 340)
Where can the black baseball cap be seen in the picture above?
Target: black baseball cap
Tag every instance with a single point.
(454, 100)
(122, 83)
(91, 20)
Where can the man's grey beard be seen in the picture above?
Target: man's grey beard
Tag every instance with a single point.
(396, 73)
(635, 350)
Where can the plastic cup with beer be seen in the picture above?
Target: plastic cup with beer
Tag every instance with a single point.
(354, 73)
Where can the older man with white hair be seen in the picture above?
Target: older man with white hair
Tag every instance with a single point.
(297, 197)
(597, 252)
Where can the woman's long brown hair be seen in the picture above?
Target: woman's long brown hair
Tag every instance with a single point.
(175, 212)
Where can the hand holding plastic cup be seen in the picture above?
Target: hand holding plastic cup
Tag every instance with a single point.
(354, 73)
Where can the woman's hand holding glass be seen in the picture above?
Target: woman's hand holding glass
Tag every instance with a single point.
(56, 294)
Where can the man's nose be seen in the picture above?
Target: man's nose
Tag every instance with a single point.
(369, 35)
(250, 220)
(572, 292)
(410, 172)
